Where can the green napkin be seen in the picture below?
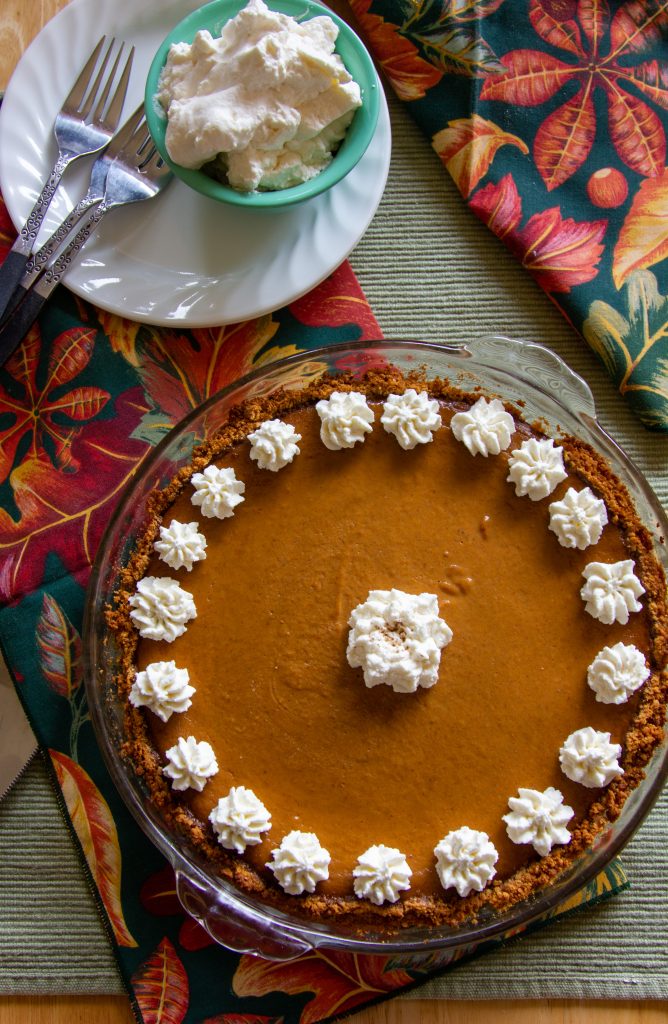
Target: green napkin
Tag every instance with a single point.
(551, 117)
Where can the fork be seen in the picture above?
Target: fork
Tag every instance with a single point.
(94, 194)
(137, 173)
(84, 124)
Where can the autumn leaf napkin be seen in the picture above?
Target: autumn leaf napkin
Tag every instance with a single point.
(551, 117)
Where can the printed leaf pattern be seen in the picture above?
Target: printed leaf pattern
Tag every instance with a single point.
(560, 253)
(158, 896)
(499, 206)
(59, 646)
(339, 981)
(585, 85)
(550, 21)
(448, 35)
(626, 343)
(242, 1018)
(35, 413)
(468, 146)
(532, 77)
(53, 517)
(161, 986)
(564, 139)
(643, 238)
(95, 827)
(410, 75)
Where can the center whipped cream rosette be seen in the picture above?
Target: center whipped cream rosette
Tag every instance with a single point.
(431, 679)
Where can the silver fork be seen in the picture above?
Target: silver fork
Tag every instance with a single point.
(137, 173)
(94, 194)
(85, 123)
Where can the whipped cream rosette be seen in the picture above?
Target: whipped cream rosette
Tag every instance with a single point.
(190, 763)
(180, 545)
(162, 688)
(578, 518)
(590, 758)
(617, 672)
(160, 608)
(397, 638)
(411, 417)
(381, 874)
(465, 860)
(611, 591)
(299, 863)
(538, 818)
(274, 444)
(217, 492)
(536, 467)
(486, 428)
(346, 418)
(240, 819)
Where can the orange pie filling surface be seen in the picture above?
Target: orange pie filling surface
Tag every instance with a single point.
(288, 717)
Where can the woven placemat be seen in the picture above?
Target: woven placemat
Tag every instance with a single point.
(430, 271)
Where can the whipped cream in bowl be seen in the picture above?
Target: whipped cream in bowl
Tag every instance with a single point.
(262, 105)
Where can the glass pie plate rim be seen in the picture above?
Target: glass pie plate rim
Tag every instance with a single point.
(518, 370)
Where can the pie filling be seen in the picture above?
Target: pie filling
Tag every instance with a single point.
(301, 744)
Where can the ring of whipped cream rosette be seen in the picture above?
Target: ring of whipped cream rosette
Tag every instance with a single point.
(397, 640)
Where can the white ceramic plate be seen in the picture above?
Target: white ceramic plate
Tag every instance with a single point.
(180, 258)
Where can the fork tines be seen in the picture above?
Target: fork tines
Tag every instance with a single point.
(90, 95)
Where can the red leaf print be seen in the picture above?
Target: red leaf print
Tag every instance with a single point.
(636, 132)
(358, 363)
(242, 1018)
(531, 78)
(56, 518)
(594, 16)
(70, 354)
(81, 403)
(96, 831)
(560, 253)
(161, 986)
(158, 894)
(564, 139)
(554, 22)
(638, 25)
(34, 412)
(651, 79)
(7, 231)
(337, 302)
(499, 206)
(179, 373)
(467, 146)
(410, 75)
(193, 936)
(339, 981)
(643, 237)
(59, 647)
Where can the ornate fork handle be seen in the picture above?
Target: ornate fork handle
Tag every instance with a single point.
(30, 229)
(17, 257)
(53, 274)
(39, 259)
(21, 319)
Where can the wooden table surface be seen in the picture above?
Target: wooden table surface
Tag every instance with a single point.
(20, 21)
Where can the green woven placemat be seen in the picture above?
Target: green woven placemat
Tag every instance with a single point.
(430, 271)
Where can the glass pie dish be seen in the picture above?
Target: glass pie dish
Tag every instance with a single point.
(548, 392)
